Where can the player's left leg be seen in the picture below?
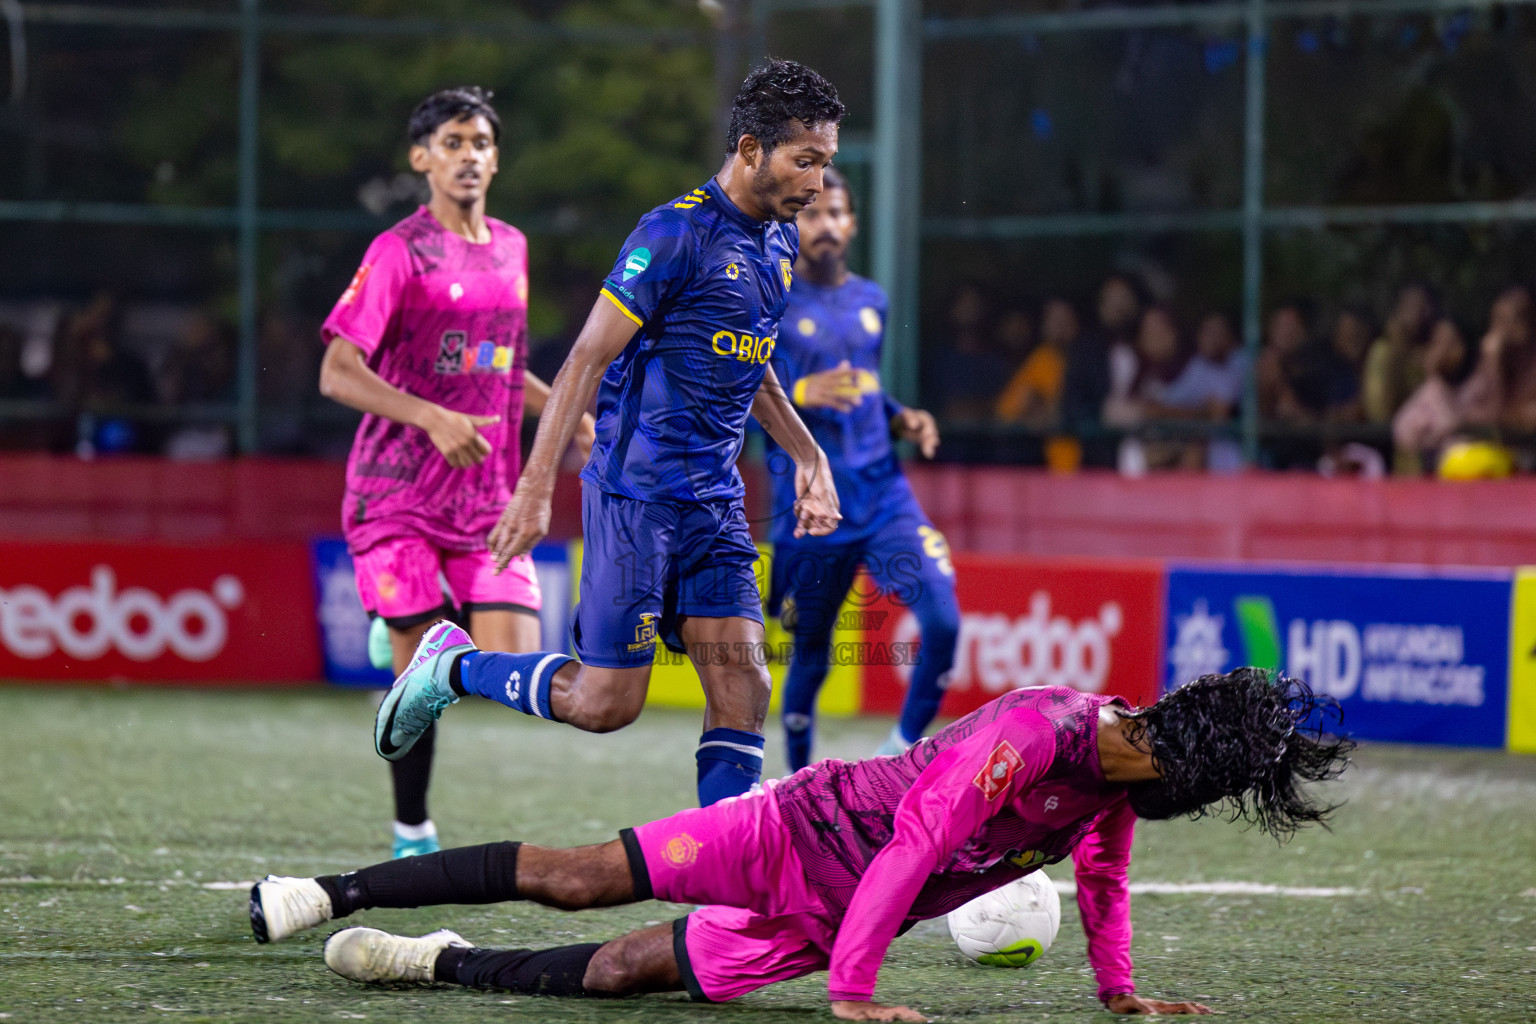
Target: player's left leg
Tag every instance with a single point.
(910, 560)
(719, 623)
(642, 961)
(813, 580)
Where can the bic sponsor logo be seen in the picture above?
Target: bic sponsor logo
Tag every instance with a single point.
(1000, 652)
(746, 348)
(455, 355)
(87, 622)
(645, 633)
(636, 263)
(1412, 663)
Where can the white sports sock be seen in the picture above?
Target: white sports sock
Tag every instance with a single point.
(426, 830)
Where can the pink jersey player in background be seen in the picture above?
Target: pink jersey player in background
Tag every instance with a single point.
(430, 342)
(820, 871)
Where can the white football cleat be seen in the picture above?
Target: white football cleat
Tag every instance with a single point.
(367, 954)
(281, 906)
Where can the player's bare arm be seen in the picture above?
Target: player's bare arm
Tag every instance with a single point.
(536, 394)
(345, 377)
(817, 509)
(526, 519)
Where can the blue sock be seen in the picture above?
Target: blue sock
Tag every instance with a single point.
(730, 763)
(520, 681)
(799, 733)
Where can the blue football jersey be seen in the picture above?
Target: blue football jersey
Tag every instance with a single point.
(822, 328)
(707, 284)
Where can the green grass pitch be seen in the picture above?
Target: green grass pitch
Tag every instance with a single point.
(126, 816)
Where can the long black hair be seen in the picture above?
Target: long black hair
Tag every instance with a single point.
(1240, 745)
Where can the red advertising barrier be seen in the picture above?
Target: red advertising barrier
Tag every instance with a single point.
(1094, 625)
(227, 613)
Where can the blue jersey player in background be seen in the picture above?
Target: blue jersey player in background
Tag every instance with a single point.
(829, 357)
(677, 350)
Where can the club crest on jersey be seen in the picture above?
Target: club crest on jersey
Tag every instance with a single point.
(746, 348)
(636, 263)
(681, 850)
(645, 633)
(998, 772)
(350, 295)
(787, 269)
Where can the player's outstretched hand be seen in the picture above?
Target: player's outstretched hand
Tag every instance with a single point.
(457, 435)
(917, 426)
(844, 1009)
(837, 388)
(1127, 1002)
(523, 523)
(817, 511)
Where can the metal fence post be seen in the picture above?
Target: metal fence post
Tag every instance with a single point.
(1253, 222)
(249, 247)
(896, 210)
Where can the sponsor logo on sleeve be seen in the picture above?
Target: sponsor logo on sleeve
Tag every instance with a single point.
(870, 319)
(350, 295)
(636, 263)
(681, 850)
(1002, 764)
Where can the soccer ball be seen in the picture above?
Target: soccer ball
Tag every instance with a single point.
(1011, 926)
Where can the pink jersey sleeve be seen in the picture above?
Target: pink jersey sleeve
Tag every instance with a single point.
(1104, 897)
(363, 312)
(948, 803)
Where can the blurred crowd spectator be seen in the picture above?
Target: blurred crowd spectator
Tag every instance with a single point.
(1138, 387)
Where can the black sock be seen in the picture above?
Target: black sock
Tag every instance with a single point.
(543, 972)
(456, 676)
(468, 874)
(412, 774)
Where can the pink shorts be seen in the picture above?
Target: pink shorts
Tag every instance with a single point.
(761, 922)
(408, 580)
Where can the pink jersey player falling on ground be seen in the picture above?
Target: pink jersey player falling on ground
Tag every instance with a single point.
(823, 869)
(430, 342)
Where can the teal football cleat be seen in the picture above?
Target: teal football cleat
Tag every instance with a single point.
(421, 693)
(380, 654)
(415, 847)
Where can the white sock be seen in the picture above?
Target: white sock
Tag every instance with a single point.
(426, 830)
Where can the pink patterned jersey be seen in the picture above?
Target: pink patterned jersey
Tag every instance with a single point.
(446, 320)
(1015, 785)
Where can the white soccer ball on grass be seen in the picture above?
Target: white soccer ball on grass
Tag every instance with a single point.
(1011, 926)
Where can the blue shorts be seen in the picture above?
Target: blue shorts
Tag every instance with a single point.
(646, 565)
(907, 557)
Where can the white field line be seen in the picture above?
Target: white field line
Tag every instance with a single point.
(1064, 886)
(1069, 888)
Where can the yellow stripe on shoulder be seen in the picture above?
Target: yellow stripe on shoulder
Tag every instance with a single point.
(622, 308)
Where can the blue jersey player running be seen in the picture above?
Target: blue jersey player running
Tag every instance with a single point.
(677, 350)
(829, 357)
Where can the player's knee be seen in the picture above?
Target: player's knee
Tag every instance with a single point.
(615, 970)
(606, 712)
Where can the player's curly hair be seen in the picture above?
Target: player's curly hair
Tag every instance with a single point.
(775, 96)
(1239, 745)
(457, 104)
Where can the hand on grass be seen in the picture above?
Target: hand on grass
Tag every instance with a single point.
(1127, 1002)
(847, 1009)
